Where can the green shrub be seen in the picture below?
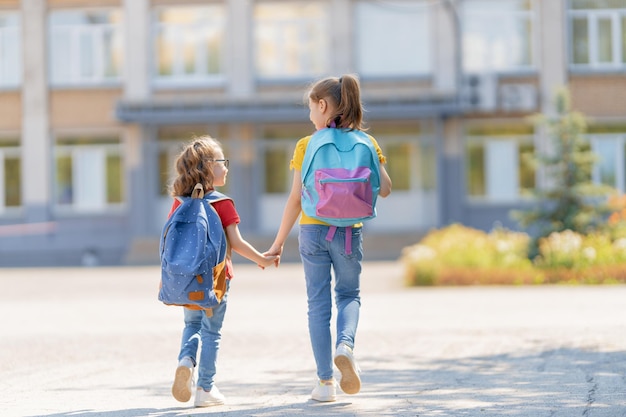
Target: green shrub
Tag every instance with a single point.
(458, 255)
(569, 257)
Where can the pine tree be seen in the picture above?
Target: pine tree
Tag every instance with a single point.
(569, 200)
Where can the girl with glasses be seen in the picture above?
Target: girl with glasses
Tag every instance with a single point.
(202, 161)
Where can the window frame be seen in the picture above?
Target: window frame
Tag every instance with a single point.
(303, 55)
(13, 59)
(619, 174)
(618, 49)
(7, 151)
(413, 7)
(179, 78)
(97, 33)
(531, 17)
(520, 140)
(92, 143)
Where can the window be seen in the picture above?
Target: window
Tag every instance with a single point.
(393, 38)
(10, 50)
(611, 152)
(598, 34)
(10, 175)
(498, 35)
(89, 173)
(411, 154)
(189, 44)
(400, 169)
(498, 168)
(277, 178)
(291, 39)
(85, 47)
(277, 146)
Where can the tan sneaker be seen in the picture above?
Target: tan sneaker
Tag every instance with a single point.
(183, 381)
(350, 382)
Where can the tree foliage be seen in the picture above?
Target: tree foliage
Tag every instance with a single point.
(568, 200)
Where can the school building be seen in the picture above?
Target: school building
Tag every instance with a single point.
(97, 96)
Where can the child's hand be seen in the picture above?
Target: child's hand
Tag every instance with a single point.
(274, 251)
(269, 260)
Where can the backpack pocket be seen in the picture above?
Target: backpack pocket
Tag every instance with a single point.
(344, 193)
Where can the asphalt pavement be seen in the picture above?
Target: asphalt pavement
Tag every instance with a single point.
(87, 342)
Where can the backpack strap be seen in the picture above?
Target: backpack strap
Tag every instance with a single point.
(215, 196)
(348, 243)
(211, 196)
(198, 191)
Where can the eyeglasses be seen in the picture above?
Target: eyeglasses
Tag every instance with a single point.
(226, 162)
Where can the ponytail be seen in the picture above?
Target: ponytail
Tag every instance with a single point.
(349, 107)
(345, 94)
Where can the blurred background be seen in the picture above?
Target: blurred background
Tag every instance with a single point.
(97, 97)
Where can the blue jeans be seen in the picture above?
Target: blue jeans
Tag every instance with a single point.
(207, 330)
(318, 256)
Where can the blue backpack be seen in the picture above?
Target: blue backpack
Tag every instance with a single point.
(193, 253)
(340, 177)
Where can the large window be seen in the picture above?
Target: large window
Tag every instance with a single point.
(89, 174)
(393, 38)
(10, 50)
(85, 47)
(498, 35)
(10, 175)
(276, 148)
(411, 154)
(291, 39)
(189, 44)
(598, 34)
(499, 167)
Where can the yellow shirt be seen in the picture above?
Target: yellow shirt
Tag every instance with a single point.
(296, 164)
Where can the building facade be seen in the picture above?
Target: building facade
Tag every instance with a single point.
(97, 97)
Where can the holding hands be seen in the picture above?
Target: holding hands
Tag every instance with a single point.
(269, 260)
(275, 253)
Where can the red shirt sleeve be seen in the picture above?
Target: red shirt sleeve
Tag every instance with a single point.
(175, 205)
(227, 212)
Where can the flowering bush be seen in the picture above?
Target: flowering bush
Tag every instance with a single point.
(458, 255)
(574, 258)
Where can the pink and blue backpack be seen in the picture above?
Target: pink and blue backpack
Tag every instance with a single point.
(340, 177)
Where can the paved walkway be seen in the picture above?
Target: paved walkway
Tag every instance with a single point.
(95, 342)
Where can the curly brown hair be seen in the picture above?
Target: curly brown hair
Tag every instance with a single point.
(195, 165)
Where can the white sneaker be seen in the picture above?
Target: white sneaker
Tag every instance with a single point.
(183, 381)
(325, 391)
(208, 398)
(350, 382)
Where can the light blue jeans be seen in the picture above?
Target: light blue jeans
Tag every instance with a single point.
(318, 256)
(205, 332)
